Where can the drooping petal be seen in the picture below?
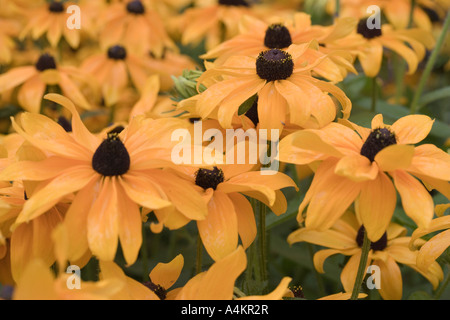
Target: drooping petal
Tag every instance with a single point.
(376, 205)
(219, 231)
(391, 286)
(357, 168)
(433, 249)
(416, 200)
(272, 108)
(431, 161)
(245, 218)
(30, 94)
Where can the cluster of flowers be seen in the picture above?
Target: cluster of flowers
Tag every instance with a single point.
(87, 149)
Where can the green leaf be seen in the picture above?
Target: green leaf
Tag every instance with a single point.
(435, 95)
(420, 295)
(244, 107)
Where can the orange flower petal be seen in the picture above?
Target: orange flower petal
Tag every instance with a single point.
(166, 274)
(394, 157)
(412, 129)
(357, 168)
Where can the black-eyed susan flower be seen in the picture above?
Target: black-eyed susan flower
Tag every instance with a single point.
(369, 166)
(50, 18)
(161, 279)
(433, 248)
(35, 79)
(367, 44)
(257, 35)
(391, 249)
(115, 69)
(135, 25)
(218, 282)
(112, 176)
(230, 215)
(280, 81)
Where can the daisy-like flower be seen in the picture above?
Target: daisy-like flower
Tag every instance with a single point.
(212, 21)
(437, 244)
(280, 81)
(162, 277)
(367, 44)
(33, 82)
(138, 27)
(257, 36)
(230, 215)
(112, 177)
(346, 237)
(358, 163)
(50, 18)
(115, 70)
(218, 282)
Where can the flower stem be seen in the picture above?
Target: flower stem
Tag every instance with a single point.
(373, 106)
(362, 267)
(262, 242)
(429, 66)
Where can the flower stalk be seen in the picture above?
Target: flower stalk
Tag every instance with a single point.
(362, 267)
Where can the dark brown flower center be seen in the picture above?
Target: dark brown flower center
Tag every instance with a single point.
(56, 7)
(277, 37)
(111, 157)
(274, 64)
(297, 291)
(135, 7)
(209, 178)
(377, 140)
(194, 119)
(157, 289)
(117, 52)
(45, 61)
(378, 245)
(236, 3)
(367, 31)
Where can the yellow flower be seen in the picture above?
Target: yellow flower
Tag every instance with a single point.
(33, 81)
(115, 70)
(230, 215)
(257, 36)
(280, 80)
(435, 246)
(112, 178)
(51, 19)
(355, 164)
(162, 277)
(138, 27)
(346, 237)
(367, 44)
(217, 283)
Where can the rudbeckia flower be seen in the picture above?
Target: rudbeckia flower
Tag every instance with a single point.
(212, 21)
(367, 45)
(138, 27)
(346, 237)
(33, 82)
(115, 70)
(369, 166)
(112, 177)
(162, 277)
(217, 283)
(230, 215)
(436, 245)
(280, 80)
(257, 36)
(51, 19)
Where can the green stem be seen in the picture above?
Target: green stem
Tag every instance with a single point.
(373, 106)
(429, 66)
(362, 267)
(443, 286)
(198, 261)
(262, 241)
(318, 277)
(337, 9)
